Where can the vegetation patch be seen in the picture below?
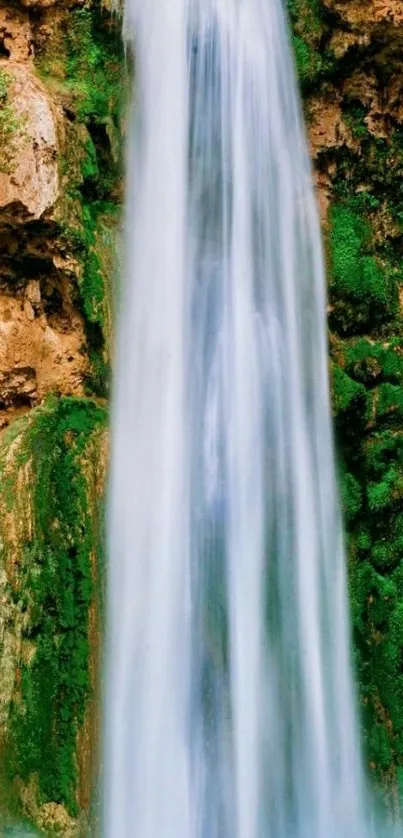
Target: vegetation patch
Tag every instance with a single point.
(52, 588)
(91, 84)
(363, 290)
(11, 125)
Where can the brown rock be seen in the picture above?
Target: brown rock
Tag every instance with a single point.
(323, 194)
(33, 292)
(368, 16)
(341, 41)
(15, 34)
(46, 4)
(38, 354)
(53, 818)
(29, 312)
(326, 126)
(30, 187)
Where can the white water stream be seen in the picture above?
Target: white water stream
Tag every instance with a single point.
(230, 707)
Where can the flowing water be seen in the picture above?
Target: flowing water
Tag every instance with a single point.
(230, 708)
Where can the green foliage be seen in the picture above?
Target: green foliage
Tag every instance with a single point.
(95, 293)
(11, 125)
(89, 167)
(390, 402)
(88, 66)
(92, 80)
(362, 291)
(364, 250)
(385, 494)
(91, 285)
(367, 379)
(355, 117)
(371, 363)
(94, 66)
(56, 589)
(350, 398)
(308, 60)
(307, 27)
(372, 492)
(379, 750)
(351, 496)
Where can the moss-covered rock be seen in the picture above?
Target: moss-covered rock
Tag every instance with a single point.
(11, 124)
(52, 466)
(57, 277)
(87, 79)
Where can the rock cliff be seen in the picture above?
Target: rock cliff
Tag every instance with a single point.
(61, 85)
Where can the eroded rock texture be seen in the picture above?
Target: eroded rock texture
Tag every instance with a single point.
(61, 74)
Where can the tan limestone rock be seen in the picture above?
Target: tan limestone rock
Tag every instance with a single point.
(39, 353)
(46, 4)
(326, 126)
(323, 193)
(30, 187)
(369, 16)
(341, 41)
(15, 34)
(53, 818)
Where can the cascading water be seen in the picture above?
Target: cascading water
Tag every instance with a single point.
(230, 709)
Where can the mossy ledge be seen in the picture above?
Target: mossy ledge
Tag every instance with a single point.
(52, 466)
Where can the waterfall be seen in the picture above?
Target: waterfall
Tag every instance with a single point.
(229, 703)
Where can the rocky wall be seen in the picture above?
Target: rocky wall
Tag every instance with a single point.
(61, 87)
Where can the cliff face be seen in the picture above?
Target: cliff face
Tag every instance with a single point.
(349, 57)
(61, 81)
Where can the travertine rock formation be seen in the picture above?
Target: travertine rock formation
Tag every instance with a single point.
(30, 187)
(60, 79)
(42, 333)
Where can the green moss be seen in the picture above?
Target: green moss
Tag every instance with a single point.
(355, 117)
(88, 65)
(89, 167)
(370, 363)
(386, 493)
(56, 587)
(363, 292)
(91, 286)
(379, 749)
(380, 451)
(94, 65)
(307, 25)
(91, 78)
(351, 496)
(376, 593)
(364, 246)
(387, 658)
(390, 402)
(94, 245)
(349, 397)
(308, 60)
(11, 125)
